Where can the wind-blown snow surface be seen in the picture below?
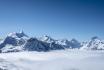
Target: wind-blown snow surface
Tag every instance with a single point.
(54, 60)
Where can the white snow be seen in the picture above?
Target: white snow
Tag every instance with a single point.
(11, 48)
(62, 41)
(13, 34)
(54, 60)
(47, 39)
(95, 44)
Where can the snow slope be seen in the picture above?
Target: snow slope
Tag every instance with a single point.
(54, 60)
(94, 44)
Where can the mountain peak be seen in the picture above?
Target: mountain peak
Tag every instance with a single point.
(74, 40)
(64, 40)
(22, 32)
(17, 35)
(46, 38)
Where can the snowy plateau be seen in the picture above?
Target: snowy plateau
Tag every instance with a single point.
(18, 51)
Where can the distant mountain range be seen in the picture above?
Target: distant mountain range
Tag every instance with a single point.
(15, 42)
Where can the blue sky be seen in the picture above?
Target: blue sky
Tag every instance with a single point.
(80, 19)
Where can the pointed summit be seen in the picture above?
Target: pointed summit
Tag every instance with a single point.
(75, 44)
(22, 32)
(17, 35)
(74, 41)
(47, 39)
(64, 42)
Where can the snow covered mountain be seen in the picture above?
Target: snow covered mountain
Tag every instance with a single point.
(63, 42)
(69, 44)
(15, 42)
(33, 44)
(94, 44)
(12, 41)
(47, 39)
(17, 35)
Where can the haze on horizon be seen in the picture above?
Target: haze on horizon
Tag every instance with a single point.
(80, 19)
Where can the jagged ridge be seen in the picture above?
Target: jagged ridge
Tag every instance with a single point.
(15, 42)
